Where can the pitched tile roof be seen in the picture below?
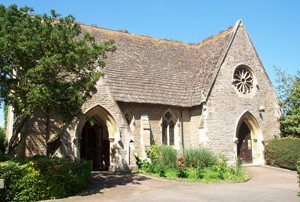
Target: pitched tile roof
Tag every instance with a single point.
(150, 70)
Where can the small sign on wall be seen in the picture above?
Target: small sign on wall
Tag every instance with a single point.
(249, 144)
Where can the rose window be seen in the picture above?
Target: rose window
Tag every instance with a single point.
(243, 80)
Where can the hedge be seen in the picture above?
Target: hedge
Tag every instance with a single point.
(283, 152)
(42, 178)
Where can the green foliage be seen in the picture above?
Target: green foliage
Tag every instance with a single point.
(290, 121)
(47, 63)
(288, 88)
(216, 171)
(2, 140)
(162, 157)
(209, 166)
(143, 165)
(42, 178)
(221, 167)
(181, 171)
(283, 152)
(167, 156)
(209, 174)
(199, 157)
(221, 171)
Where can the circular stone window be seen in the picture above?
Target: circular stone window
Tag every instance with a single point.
(243, 80)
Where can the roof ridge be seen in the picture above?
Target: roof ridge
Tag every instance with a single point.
(196, 44)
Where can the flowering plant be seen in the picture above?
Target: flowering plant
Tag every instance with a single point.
(181, 170)
(180, 159)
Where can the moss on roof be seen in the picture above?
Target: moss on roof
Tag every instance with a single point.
(150, 70)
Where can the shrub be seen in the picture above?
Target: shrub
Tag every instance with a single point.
(201, 164)
(283, 152)
(199, 158)
(221, 167)
(41, 178)
(162, 157)
(2, 140)
(181, 170)
(167, 155)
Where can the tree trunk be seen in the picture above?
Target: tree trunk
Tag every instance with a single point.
(47, 132)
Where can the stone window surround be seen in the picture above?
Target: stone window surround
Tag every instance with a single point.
(246, 86)
(169, 122)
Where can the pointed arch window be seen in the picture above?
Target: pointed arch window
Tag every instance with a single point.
(168, 126)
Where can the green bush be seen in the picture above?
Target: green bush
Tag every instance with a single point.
(143, 165)
(199, 157)
(197, 164)
(41, 178)
(221, 167)
(2, 140)
(162, 157)
(283, 152)
(167, 156)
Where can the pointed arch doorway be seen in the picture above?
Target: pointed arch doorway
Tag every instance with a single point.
(96, 131)
(249, 140)
(94, 144)
(244, 145)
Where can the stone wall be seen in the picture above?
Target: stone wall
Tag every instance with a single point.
(106, 109)
(225, 105)
(186, 126)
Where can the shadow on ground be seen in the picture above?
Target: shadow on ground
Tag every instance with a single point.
(104, 180)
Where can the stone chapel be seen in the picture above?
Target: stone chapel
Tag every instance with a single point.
(215, 94)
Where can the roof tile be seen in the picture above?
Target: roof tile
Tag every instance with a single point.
(150, 70)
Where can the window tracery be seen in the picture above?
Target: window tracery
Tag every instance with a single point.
(243, 80)
(168, 126)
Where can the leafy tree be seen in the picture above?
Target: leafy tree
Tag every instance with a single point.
(289, 93)
(47, 64)
(2, 140)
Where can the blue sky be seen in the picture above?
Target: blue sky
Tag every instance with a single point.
(273, 25)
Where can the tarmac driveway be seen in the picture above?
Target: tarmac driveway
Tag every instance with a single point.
(266, 184)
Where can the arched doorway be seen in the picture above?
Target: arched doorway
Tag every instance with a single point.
(249, 140)
(94, 144)
(244, 144)
(96, 132)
